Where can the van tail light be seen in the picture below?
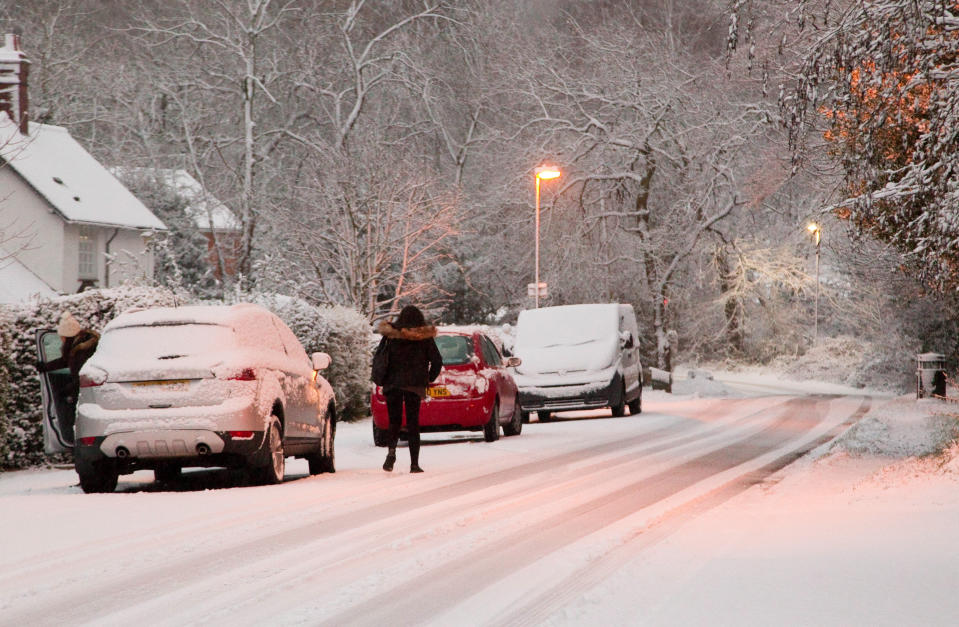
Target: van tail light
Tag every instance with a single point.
(87, 441)
(241, 435)
(86, 381)
(247, 374)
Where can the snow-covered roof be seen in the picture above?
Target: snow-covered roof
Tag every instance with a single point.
(78, 187)
(18, 283)
(206, 211)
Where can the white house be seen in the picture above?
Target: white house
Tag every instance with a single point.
(87, 229)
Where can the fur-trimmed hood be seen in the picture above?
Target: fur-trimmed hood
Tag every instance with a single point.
(412, 334)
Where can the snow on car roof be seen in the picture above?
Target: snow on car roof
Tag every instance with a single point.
(457, 330)
(227, 315)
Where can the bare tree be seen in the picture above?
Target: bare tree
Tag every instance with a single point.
(376, 251)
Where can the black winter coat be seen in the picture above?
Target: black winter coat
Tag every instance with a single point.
(414, 359)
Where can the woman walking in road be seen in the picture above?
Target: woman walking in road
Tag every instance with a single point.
(413, 362)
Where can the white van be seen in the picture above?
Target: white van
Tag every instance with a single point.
(578, 357)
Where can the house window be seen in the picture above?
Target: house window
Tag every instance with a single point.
(87, 250)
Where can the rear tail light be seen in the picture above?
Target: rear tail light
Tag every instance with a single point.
(87, 441)
(241, 435)
(247, 374)
(86, 381)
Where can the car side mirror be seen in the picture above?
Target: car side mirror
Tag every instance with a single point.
(512, 362)
(321, 361)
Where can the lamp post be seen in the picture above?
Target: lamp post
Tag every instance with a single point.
(817, 233)
(542, 172)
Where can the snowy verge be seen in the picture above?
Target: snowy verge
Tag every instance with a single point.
(903, 427)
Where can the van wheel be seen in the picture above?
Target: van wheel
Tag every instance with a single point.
(636, 405)
(515, 426)
(619, 409)
(95, 477)
(274, 468)
(381, 437)
(491, 428)
(325, 459)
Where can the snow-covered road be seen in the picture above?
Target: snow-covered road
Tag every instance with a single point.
(519, 531)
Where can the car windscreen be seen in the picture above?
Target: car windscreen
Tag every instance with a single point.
(455, 349)
(161, 341)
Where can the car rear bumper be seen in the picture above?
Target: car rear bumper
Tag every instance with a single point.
(193, 436)
(235, 414)
(148, 449)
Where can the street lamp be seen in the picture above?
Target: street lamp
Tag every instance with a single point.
(543, 172)
(817, 233)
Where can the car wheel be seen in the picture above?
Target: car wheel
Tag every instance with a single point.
(515, 426)
(544, 416)
(636, 405)
(619, 409)
(275, 467)
(491, 428)
(167, 473)
(525, 416)
(325, 459)
(99, 476)
(381, 437)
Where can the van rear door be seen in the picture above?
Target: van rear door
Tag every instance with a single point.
(59, 411)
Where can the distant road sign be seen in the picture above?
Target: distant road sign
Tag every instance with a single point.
(531, 290)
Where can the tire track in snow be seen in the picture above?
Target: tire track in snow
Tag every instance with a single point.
(423, 597)
(524, 503)
(537, 610)
(124, 589)
(67, 606)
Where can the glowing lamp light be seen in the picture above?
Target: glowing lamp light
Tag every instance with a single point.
(547, 172)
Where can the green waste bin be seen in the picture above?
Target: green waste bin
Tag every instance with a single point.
(930, 375)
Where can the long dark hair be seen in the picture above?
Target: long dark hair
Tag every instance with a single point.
(410, 317)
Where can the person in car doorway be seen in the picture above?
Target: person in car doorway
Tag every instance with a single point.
(414, 361)
(78, 345)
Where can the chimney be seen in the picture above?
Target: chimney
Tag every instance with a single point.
(14, 68)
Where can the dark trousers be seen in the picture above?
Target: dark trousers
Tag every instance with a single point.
(395, 401)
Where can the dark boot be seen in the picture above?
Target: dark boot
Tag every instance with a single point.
(390, 460)
(415, 468)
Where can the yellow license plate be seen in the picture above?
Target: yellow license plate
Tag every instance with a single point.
(172, 385)
(437, 392)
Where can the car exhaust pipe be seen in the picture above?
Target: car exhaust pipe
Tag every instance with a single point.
(122, 452)
(202, 449)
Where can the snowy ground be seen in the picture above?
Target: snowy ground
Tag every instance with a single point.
(528, 530)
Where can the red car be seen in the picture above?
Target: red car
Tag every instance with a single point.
(474, 390)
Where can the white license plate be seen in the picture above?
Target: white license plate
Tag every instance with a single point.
(169, 385)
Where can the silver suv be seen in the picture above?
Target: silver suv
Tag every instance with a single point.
(192, 386)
